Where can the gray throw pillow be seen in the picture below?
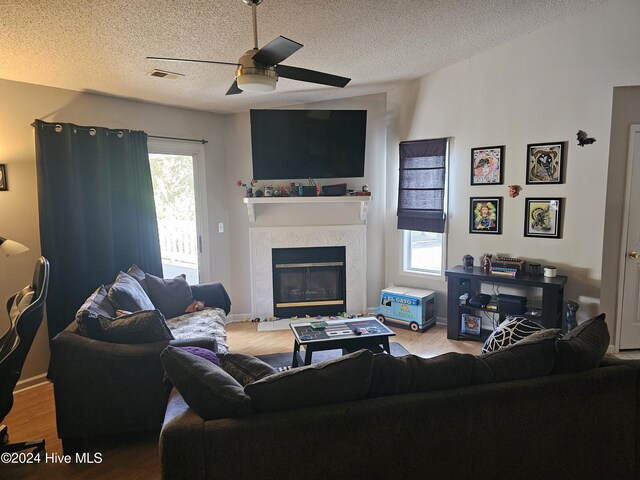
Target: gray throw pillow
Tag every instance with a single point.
(583, 347)
(210, 391)
(512, 330)
(170, 296)
(410, 374)
(245, 369)
(533, 356)
(97, 304)
(342, 380)
(127, 294)
(139, 327)
(137, 273)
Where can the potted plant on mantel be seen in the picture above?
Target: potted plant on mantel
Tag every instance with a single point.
(248, 187)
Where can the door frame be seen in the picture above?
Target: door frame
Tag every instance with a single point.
(633, 130)
(196, 150)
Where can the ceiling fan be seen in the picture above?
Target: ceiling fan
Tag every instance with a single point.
(258, 69)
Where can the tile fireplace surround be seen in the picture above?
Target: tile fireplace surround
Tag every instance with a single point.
(263, 239)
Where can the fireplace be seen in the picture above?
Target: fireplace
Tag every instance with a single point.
(308, 281)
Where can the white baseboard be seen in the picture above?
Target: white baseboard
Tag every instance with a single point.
(30, 382)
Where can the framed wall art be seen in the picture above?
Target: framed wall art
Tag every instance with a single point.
(545, 162)
(485, 215)
(3, 177)
(487, 165)
(543, 217)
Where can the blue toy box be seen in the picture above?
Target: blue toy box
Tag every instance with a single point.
(409, 307)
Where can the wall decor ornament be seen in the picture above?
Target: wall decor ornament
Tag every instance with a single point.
(545, 162)
(485, 215)
(487, 165)
(543, 217)
(3, 177)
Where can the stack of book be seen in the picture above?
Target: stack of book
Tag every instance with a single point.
(504, 271)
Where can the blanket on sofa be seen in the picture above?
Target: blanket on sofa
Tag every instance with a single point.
(205, 323)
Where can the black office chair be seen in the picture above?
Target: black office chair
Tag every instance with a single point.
(15, 345)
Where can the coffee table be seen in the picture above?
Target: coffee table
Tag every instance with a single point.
(339, 334)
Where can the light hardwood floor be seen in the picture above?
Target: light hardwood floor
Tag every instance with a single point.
(136, 457)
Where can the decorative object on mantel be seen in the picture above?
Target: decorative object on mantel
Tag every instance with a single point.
(3, 177)
(514, 190)
(258, 193)
(572, 308)
(249, 187)
(268, 191)
(584, 139)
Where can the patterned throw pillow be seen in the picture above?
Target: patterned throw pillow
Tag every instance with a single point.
(513, 329)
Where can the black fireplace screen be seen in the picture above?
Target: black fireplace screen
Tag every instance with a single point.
(308, 281)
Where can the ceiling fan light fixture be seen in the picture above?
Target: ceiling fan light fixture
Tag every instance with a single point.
(251, 82)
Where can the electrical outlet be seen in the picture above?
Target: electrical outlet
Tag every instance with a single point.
(220, 227)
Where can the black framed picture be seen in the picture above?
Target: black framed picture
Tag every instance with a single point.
(543, 217)
(487, 165)
(471, 324)
(485, 215)
(3, 177)
(545, 162)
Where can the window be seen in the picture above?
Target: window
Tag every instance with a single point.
(422, 204)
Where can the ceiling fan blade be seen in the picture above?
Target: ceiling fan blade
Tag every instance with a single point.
(312, 76)
(233, 89)
(276, 51)
(190, 60)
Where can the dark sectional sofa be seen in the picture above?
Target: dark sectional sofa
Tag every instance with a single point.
(105, 388)
(544, 408)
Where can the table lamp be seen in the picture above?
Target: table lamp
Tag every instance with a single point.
(11, 247)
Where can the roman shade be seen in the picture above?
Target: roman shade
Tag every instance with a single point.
(421, 185)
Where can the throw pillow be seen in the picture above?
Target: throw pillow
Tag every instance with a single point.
(137, 273)
(97, 304)
(203, 353)
(409, 374)
(511, 330)
(245, 369)
(533, 356)
(342, 380)
(170, 296)
(210, 391)
(139, 327)
(583, 347)
(127, 294)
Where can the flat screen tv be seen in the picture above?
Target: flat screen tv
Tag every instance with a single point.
(298, 144)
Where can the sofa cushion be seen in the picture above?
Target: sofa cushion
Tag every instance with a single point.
(139, 327)
(341, 380)
(245, 369)
(97, 304)
(170, 296)
(127, 294)
(409, 374)
(533, 356)
(210, 391)
(512, 330)
(583, 347)
(137, 273)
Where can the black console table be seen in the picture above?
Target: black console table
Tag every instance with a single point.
(461, 280)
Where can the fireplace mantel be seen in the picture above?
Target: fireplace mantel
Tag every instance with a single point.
(252, 202)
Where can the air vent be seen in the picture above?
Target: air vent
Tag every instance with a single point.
(165, 74)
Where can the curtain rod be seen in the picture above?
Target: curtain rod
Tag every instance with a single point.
(202, 141)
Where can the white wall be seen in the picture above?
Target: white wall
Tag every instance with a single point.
(539, 88)
(238, 148)
(21, 104)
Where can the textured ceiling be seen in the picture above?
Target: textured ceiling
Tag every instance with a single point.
(100, 45)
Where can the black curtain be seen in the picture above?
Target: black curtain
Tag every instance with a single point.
(97, 213)
(421, 185)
